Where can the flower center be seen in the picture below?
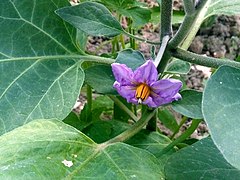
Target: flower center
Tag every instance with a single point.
(142, 92)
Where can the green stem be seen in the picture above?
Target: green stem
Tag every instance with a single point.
(166, 18)
(132, 130)
(184, 119)
(122, 41)
(190, 26)
(152, 123)
(164, 61)
(123, 107)
(140, 39)
(202, 60)
(184, 136)
(89, 99)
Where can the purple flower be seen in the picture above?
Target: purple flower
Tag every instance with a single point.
(143, 86)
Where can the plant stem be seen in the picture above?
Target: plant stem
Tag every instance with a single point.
(123, 107)
(152, 123)
(184, 119)
(184, 136)
(134, 129)
(161, 50)
(189, 26)
(89, 99)
(203, 60)
(121, 38)
(140, 39)
(166, 19)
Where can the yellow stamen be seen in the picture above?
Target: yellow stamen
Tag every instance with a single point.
(142, 92)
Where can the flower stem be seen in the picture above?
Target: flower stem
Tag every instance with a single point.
(184, 136)
(134, 129)
(202, 60)
(123, 107)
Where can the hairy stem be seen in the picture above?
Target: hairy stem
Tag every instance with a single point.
(184, 136)
(190, 26)
(202, 60)
(166, 19)
(184, 119)
(134, 129)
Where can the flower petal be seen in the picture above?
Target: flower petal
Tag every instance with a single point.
(122, 73)
(146, 73)
(166, 88)
(127, 92)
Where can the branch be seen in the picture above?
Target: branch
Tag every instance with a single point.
(202, 60)
(134, 129)
(166, 19)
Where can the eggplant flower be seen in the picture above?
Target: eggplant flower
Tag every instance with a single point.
(142, 85)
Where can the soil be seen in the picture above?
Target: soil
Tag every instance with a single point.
(219, 37)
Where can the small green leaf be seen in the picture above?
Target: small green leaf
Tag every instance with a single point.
(178, 67)
(221, 102)
(202, 160)
(190, 105)
(132, 58)
(92, 18)
(139, 15)
(100, 78)
(167, 118)
(50, 149)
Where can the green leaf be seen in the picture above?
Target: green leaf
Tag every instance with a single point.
(217, 7)
(118, 4)
(50, 149)
(202, 160)
(139, 15)
(221, 102)
(92, 18)
(167, 118)
(82, 39)
(178, 66)
(100, 78)
(39, 79)
(177, 16)
(190, 105)
(132, 58)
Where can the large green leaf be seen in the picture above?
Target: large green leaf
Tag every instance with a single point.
(221, 102)
(92, 18)
(38, 79)
(190, 105)
(50, 149)
(223, 7)
(202, 160)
